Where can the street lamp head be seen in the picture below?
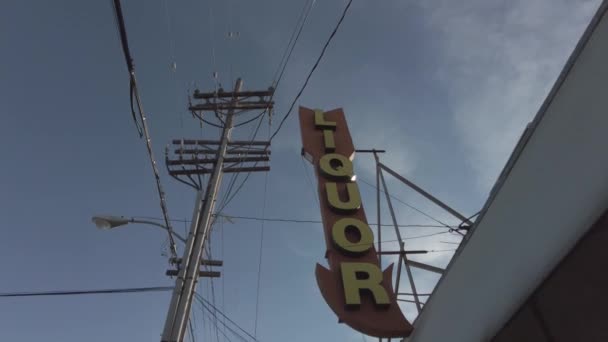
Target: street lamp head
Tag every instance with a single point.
(109, 222)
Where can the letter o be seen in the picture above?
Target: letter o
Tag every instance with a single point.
(338, 232)
(344, 172)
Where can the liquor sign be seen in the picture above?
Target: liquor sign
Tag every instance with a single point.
(354, 286)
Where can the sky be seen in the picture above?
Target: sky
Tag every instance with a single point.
(445, 87)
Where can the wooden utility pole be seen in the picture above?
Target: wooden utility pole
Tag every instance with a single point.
(191, 162)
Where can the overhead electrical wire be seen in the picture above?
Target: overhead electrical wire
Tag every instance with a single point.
(407, 238)
(208, 122)
(212, 319)
(216, 83)
(223, 278)
(204, 319)
(227, 198)
(284, 61)
(403, 239)
(212, 315)
(443, 250)
(422, 236)
(282, 65)
(252, 119)
(253, 218)
(173, 71)
(410, 206)
(211, 324)
(193, 319)
(204, 301)
(314, 67)
(173, 64)
(86, 292)
(308, 178)
(280, 70)
(293, 40)
(212, 35)
(192, 337)
(169, 34)
(257, 296)
(233, 178)
(229, 195)
(230, 35)
(289, 42)
(318, 221)
(208, 248)
(206, 313)
(134, 93)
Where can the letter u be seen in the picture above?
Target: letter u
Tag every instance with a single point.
(333, 197)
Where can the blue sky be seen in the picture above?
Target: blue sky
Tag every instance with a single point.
(446, 88)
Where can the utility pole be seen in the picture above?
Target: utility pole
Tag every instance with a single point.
(190, 162)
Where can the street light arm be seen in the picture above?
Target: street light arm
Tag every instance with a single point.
(153, 223)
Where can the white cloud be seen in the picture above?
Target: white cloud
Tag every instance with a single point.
(501, 58)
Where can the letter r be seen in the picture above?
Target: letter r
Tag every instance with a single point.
(357, 276)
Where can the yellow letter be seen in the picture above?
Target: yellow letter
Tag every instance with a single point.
(328, 140)
(366, 240)
(342, 171)
(354, 198)
(320, 121)
(357, 276)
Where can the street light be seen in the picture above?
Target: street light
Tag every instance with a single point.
(106, 222)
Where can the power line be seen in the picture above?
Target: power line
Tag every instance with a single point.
(86, 292)
(252, 218)
(203, 308)
(289, 42)
(169, 34)
(408, 205)
(254, 118)
(173, 64)
(276, 81)
(228, 197)
(192, 338)
(205, 305)
(223, 278)
(312, 187)
(222, 332)
(204, 301)
(173, 71)
(318, 221)
(408, 238)
(417, 294)
(123, 35)
(135, 93)
(209, 253)
(284, 61)
(193, 320)
(313, 69)
(212, 34)
(421, 236)
(288, 51)
(257, 296)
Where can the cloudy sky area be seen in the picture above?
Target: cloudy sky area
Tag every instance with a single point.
(445, 87)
